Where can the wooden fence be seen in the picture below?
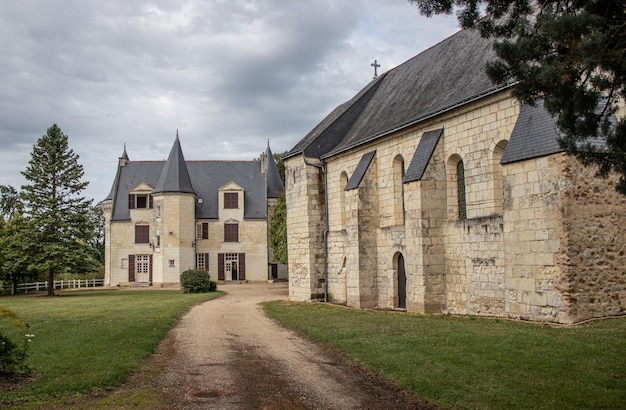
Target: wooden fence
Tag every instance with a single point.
(60, 284)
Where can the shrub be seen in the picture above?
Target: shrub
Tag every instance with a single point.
(195, 281)
(12, 356)
(212, 286)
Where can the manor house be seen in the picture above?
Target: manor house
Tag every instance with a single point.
(165, 217)
(434, 190)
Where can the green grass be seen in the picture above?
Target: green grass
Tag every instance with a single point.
(91, 340)
(476, 363)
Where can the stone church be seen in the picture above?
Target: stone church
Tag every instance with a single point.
(165, 217)
(434, 191)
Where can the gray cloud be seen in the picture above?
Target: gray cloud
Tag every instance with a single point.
(228, 74)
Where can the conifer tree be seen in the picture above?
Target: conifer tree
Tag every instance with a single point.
(570, 54)
(57, 216)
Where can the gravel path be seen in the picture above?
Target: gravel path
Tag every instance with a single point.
(226, 354)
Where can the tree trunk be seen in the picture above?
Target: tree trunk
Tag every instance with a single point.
(50, 283)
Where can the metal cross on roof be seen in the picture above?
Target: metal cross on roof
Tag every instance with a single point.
(375, 65)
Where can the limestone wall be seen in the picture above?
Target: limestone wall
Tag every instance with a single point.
(541, 239)
(593, 260)
(305, 228)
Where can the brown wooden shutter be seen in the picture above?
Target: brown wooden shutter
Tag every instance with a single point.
(131, 268)
(131, 201)
(206, 261)
(142, 233)
(242, 266)
(150, 268)
(151, 202)
(205, 230)
(220, 266)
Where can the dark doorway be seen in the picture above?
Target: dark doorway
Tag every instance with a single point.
(401, 283)
(274, 270)
(233, 270)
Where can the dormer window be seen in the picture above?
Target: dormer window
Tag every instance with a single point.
(231, 200)
(139, 201)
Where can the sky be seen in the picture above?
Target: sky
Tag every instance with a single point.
(227, 75)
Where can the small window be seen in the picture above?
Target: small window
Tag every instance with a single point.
(202, 261)
(231, 200)
(172, 263)
(231, 232)
(158, 241)
(142, 234)
(139, 201)
(202, 230)
(460, 187)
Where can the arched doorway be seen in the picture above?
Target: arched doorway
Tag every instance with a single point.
(401, 282)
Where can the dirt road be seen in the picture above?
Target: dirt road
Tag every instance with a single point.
(226, 354)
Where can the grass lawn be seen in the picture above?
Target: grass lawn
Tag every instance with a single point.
(92, 340)
(476, 363)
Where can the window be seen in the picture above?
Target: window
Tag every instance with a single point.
(202, 230)
(231, 232)
(158, 241)
(172, 263)
(460, 189)
(202, 261)
(231, 200)
(142, 264)
(139, 201)
(398, 190)
(142, 233)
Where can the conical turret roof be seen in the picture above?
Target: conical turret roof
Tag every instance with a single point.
(274, 183)
(174, 176)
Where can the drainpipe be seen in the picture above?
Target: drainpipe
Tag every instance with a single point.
(322, 166)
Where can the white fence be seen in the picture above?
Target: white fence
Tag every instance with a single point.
(61, 284)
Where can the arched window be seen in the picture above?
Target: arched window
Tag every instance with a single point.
(398, 190)
(460, 190)
(496, 176)
(343, 181)
(456, 198)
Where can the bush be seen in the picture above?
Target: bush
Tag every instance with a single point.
(12, 356)
(212, 286)
(195, 281)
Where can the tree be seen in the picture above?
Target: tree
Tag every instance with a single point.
(278, 231)
(570, 54)
(56, 215)
(9, 201)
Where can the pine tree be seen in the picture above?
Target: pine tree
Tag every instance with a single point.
(57, 216)
(570, 54)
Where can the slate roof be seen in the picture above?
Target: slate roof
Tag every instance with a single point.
(275, 185)
(535, 134)
(439, 79)
(359, 171)
(202, 178)
(422, 155)
(174, 176)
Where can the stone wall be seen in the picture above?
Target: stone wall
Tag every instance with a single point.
(541, 241)
(593, 260)
(305, 228)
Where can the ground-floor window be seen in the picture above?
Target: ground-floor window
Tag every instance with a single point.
(202, 261)
(139, 268)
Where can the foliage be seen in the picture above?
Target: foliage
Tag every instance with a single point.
(14, 244)
(59, 228)
(12, 356)
(9, 201)
(89, 341)
(278, 231)
(572, 55)
(195, 281)
(96, 239)
(475, 363)
(280, 165)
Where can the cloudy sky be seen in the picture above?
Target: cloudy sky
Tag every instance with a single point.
(228, 74)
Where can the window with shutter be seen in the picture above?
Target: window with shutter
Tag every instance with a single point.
(142, 234)
(231, 200)
(231, 232)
